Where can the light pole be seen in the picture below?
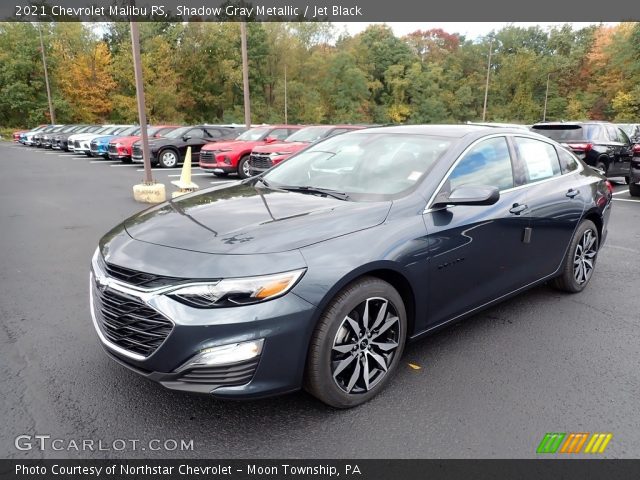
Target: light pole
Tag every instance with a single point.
(52, 112)
(286, 122)
(486, 87)
(546, 97)
(245, 74)
(142, 113)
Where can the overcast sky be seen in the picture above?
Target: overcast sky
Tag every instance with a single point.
(471, 30)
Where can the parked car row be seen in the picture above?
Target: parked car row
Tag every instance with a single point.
(230, 149)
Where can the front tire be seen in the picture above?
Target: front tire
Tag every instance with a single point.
(168, 158)
(357, 345)
(243, 167)
(634, 189)
(580, 261)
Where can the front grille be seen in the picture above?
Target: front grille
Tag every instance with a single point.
(227, 376)
(129, 323)
(76, 144)
(136, 151)
(137, 278)
(207, 156)
(262, 162)
(112, 148)
(94, 146)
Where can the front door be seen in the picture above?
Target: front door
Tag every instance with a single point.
(477, 252)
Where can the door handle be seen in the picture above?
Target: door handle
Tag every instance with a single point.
(573, 193)
(518, 208)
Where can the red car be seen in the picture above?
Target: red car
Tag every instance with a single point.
(223, 158)
(264, 157)
(120, 147)
(16, 134)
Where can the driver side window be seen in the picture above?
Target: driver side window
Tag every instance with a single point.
(488, 163)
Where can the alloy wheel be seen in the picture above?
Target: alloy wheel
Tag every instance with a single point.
(169, 159)
(365, 345)
(584, 257)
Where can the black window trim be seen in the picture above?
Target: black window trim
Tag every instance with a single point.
(509, 136)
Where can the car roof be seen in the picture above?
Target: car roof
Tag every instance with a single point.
(453, 131)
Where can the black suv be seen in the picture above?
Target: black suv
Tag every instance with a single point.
(170, 150)
(599, 144)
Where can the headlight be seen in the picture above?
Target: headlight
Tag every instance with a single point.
(279, 154)
(237, 291)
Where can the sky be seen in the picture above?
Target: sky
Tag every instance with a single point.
(471, 30)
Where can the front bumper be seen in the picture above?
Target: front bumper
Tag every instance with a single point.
(284, 323)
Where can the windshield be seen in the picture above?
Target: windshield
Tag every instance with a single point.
(125, 131)
(569, 133)
(309, 134)
(364, 166)
(254, 134)
(178, 132)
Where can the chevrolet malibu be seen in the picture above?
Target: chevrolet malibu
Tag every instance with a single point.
(317, 273)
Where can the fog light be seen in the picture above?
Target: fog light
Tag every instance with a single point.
(225, 354)
(227, 160)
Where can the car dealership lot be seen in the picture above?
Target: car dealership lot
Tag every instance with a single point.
(491, 386)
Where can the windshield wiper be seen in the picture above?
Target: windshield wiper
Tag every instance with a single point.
(315, 191)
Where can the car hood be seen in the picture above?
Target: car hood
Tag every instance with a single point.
(242, 219)
(82, 136)
(288, 147)
(126, 141)
(233, 145)
(102, 138)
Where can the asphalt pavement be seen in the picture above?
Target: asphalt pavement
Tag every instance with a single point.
(489, 387)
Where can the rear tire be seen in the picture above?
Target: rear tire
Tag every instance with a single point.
(357, 344)
(634, 190)
(602, 165)
(580, 261)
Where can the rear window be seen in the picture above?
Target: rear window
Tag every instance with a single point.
(569, 133)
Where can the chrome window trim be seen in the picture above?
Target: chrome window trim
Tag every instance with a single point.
(429, 209)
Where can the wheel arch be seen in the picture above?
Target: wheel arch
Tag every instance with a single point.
(596, 218)
(387, 271)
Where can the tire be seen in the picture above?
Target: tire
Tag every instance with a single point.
(243, 167)
(627, 180)
(580, 261)
(126, 160)
(336, 376)
(168, 158)
(221, 174)
(634, 190)
(602, 165)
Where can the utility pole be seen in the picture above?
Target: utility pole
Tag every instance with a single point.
(486, 88)
(142, 113)
(52, 112)
(546, 97)
(286, 122)
(245, 74)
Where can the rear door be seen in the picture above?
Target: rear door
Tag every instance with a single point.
(555, 199)
(615, 147)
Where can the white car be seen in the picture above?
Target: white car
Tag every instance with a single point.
(28, 137)
(80, 143)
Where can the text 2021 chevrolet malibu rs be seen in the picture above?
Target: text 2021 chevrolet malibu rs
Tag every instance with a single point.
(316, 273)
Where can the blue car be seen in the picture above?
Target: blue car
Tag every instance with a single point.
(99, 146)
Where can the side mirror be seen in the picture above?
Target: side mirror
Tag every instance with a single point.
(186, 137)
(270, 139)
(468, 195)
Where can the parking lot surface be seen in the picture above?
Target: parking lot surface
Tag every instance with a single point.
(489, 387)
